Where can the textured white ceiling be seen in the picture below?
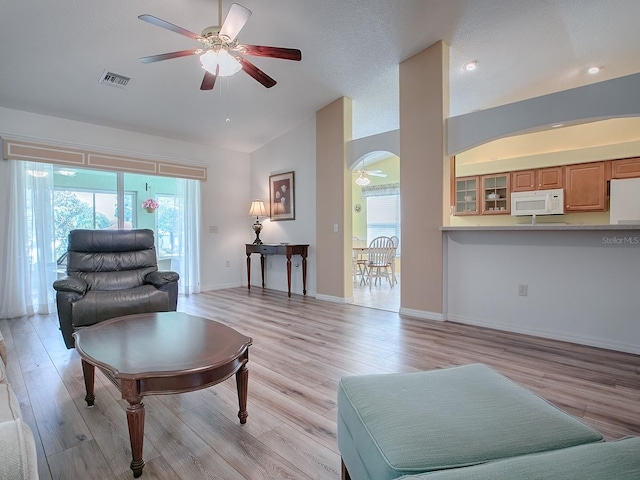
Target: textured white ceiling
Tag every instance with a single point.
(52, 54)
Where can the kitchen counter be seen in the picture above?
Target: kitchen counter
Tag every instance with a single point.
(541, 226)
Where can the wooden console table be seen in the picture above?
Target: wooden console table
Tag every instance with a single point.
(278, 249)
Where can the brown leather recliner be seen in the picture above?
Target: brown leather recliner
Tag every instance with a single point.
(111, 273)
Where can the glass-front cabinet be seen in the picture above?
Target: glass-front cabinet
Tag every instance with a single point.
(467, 196)
(495, 194)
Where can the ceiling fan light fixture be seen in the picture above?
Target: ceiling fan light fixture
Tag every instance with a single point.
(229, 65)
(362, 180)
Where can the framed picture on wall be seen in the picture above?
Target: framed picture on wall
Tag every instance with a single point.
(282, 196)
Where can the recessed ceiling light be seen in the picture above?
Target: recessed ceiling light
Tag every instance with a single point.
(594, 70)
(470, 66)
(557, 125)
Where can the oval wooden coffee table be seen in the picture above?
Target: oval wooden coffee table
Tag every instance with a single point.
(161, 353)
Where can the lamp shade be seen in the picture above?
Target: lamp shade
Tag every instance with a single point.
(257, 209)
(227, 63)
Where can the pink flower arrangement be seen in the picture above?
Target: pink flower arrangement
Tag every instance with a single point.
(150, 203)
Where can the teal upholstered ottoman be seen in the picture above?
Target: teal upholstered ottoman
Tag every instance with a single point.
(398, 424)
(619, 460)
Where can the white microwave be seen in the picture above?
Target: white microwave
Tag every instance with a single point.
(538, 202)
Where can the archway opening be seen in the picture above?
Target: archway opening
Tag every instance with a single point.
(375, 210)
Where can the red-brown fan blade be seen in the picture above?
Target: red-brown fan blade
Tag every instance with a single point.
(273, 52)
(167, 56)
(237, 18)
(169, 26)
(209, 79)
(256, 73)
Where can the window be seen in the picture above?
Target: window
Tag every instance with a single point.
(89, 199)
(90, 209)
(383, 216)
(169, 244)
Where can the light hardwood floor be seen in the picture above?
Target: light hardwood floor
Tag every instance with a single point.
(380, 296)
(301, 349)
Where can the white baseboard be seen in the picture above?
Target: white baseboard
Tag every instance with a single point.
(332, 299)
(537, 332)
(422, 314)
(207, 288)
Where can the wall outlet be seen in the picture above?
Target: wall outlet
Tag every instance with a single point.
(270, 264)
(335, 228)
(213, 229)
(227, 263)
(523, 289)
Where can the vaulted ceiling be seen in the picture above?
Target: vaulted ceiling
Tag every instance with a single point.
(52, 54)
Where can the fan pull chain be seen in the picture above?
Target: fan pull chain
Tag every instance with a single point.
(228, 118)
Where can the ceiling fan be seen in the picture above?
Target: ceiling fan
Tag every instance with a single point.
(220, 53)
(363, 176)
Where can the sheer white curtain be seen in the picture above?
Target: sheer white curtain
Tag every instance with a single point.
(189, 223)
(30, 268)
(28, 253)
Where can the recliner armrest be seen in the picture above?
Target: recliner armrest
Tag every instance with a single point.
(71, 284)
(158, 279)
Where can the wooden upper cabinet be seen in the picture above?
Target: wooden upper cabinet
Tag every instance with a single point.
(496, 194)
(523, 181)
(551, 177)
(539, 179)
(466, 193)
(625, 168)
(585, 187)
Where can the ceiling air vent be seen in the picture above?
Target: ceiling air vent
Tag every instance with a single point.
(114, 79)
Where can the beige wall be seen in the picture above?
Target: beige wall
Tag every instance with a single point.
(604, 140)
(424, 106)
(333, 201)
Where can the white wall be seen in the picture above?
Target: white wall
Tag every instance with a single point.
(583, 286)
(294, 151)
(224, 194)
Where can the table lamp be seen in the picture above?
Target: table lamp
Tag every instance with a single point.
(257, 209)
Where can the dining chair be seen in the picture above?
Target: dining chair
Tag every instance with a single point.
(396, 242)
(380, 254)
(359, 260)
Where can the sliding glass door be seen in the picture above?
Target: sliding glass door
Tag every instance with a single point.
(166, 220)
(86, 199)
(92, 199)
(47, 201)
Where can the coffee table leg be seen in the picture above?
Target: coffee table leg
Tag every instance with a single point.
(135, 420)
(242, 380)
(88, 372)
